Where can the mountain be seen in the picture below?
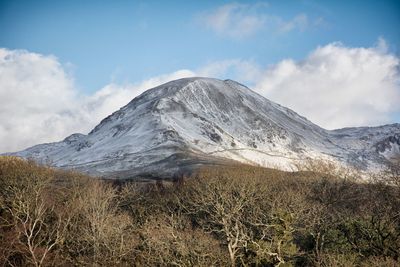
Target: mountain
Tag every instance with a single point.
(191, 122)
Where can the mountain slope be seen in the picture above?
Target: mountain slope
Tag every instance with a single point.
(194, 121)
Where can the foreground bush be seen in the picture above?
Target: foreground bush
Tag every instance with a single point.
(231, 216)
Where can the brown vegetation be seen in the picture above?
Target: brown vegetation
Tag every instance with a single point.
(231, 216)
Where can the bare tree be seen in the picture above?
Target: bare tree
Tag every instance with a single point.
(218, 205)
(239, 210)
(99, 229)
(38, 226)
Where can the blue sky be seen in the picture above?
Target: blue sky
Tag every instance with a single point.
(127, 41)
(65, 65)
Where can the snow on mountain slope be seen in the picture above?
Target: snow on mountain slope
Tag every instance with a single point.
(194, 121)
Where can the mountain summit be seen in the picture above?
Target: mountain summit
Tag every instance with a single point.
(191, 122)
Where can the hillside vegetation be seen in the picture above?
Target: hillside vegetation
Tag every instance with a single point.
(231, 216)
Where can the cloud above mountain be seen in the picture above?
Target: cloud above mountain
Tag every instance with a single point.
(238, 20)
(36, 99)
(337, 86)
(334, 86)
(234, 20)
(39, 101)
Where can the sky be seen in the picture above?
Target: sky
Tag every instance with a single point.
(65, 65)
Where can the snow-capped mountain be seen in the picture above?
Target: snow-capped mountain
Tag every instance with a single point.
(190, 122)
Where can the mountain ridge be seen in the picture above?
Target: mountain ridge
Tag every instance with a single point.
(212, 122)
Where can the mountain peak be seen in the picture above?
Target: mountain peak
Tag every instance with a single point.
(188, 84)
(183, 124)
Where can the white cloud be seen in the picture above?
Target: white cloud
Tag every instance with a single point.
(338, 86)
(38, 101)
(35, 99)
(243, 20)
(299, 22)
(234, 20)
